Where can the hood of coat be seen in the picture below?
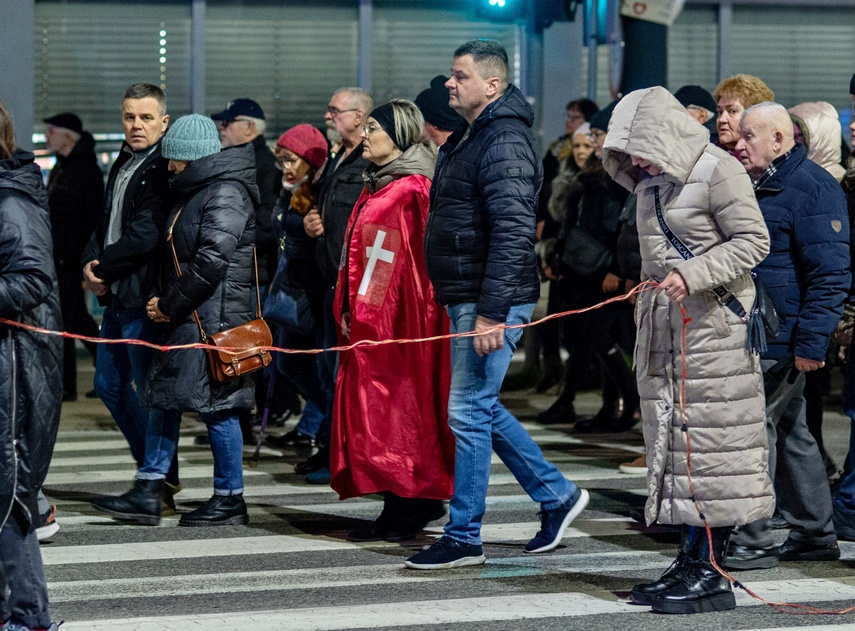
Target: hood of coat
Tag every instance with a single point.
(822, 135)
(652, 125)
(420, 159)
(512, 104)
(234, 164)
(21, 173)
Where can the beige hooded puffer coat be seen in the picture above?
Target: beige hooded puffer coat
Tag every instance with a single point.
(708, 202)
(822, 133)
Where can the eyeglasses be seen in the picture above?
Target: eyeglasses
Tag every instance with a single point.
(224, 123)
(369, 129)
(334, 111)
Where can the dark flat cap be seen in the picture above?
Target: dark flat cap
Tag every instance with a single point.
(695, 95)
(66, 120)
(240, 107)
(434, 106)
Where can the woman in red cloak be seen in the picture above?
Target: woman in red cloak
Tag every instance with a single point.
(389, 432)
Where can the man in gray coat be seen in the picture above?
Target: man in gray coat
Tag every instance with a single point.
(807, 277)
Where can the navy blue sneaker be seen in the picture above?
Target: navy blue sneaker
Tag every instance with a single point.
(446, 554)
(554, 522)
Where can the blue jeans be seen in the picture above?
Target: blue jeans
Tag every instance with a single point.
(121, 367)
(310, 420)
(844, 499)
(481, 424)
(226, 447)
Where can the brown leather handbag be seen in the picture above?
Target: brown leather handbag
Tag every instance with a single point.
(236, 351)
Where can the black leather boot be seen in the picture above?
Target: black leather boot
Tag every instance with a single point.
(646, 593)
(220, 510)
(561, 411)
(702, 589)
(140, 505)
(616, 365)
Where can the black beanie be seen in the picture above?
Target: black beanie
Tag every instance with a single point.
(601, 119)
(434, 106)
(852, 85)
(385, 116)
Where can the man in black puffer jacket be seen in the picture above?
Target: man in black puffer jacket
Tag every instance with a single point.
(479, 250)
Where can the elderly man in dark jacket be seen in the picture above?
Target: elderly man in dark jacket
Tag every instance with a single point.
(30, 380)
(479, 250)
(75, 199)
(340, 187)
(807, 277)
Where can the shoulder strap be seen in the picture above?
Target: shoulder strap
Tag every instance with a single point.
(202, 333)
(721, 292)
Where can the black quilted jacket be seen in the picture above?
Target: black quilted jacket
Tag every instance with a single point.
(213, 239)
(30, 363)
(479, 242)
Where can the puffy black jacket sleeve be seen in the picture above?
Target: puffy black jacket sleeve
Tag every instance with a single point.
(142, 236)
(224, 217)
(509, 180)
(27, 257)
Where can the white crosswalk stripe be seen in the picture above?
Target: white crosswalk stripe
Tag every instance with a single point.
(293, 569)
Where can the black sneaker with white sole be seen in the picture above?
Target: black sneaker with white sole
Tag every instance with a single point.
(554, 522)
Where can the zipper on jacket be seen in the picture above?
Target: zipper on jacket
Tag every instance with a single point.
(14, 430)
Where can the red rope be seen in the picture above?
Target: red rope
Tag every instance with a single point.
(790, 608)
(645, 286)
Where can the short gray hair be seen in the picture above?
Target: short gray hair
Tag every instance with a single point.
(260, 124)
(358, 98)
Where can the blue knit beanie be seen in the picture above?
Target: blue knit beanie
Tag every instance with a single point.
(190, 138)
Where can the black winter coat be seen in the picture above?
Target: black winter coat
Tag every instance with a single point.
(213, 238)
(76, 200)
(131, 259)
(340, 186)
(30, 363)
(595, 202)
(269, 181)
(479, 241)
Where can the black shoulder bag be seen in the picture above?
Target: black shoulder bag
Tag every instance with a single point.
(762, 321)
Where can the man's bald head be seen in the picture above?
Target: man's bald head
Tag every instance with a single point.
(765, 133)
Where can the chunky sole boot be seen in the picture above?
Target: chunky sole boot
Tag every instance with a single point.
(220, 510)
(141, 505)
(646, 593)
(702, 589)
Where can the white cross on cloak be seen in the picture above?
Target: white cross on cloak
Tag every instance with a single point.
(374, 253)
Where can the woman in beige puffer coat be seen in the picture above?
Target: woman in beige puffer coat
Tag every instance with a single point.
(707, 200)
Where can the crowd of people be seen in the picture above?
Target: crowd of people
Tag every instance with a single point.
(420, 218)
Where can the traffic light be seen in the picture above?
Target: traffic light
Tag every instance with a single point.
(501, 10)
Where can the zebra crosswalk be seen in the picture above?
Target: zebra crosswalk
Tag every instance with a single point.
(292, 568)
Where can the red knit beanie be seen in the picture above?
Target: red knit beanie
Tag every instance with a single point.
(307, 142)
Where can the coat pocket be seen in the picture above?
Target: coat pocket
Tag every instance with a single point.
(644, 336)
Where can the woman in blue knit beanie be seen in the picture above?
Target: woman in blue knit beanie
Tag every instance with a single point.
(211, 228)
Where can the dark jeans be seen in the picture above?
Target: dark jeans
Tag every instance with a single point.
(794, 463)
(328, 367)
(75, 319)
(22, 573)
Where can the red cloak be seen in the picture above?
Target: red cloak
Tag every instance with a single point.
(390, 419)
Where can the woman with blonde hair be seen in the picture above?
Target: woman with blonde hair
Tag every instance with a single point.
(390, 431)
